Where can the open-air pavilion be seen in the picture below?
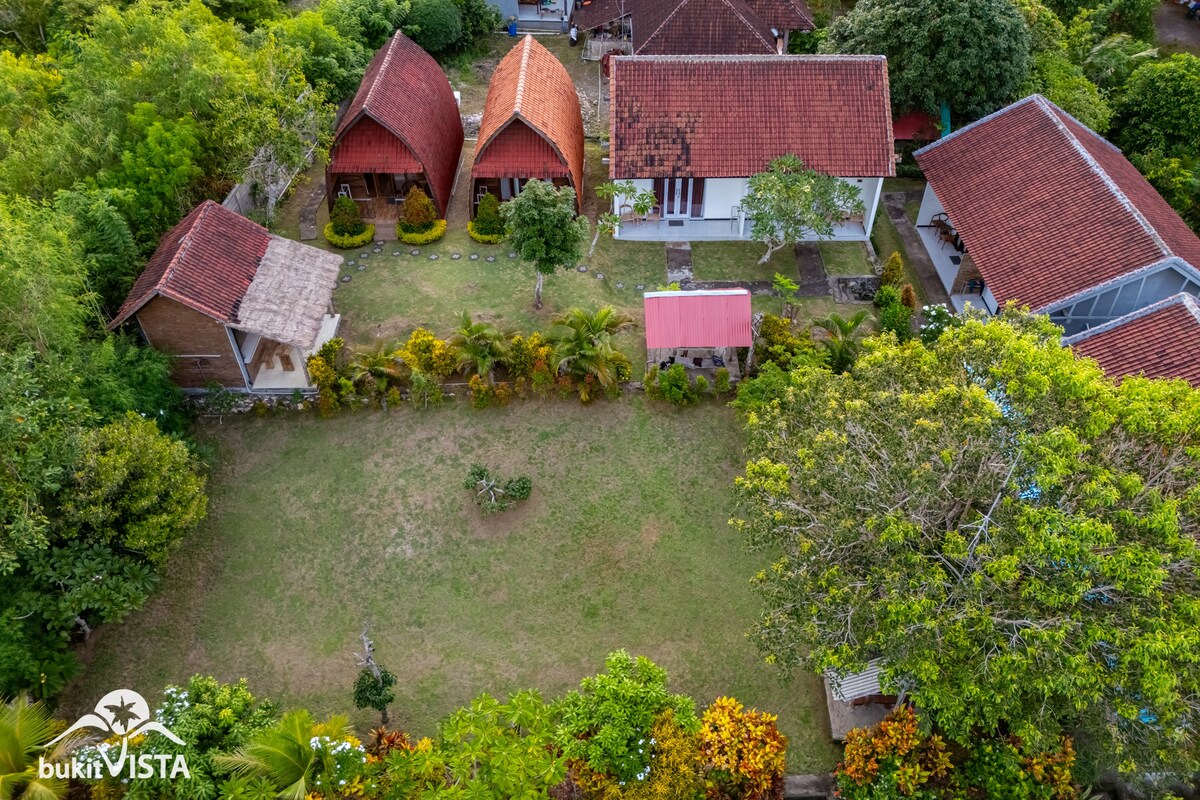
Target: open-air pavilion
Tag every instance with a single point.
(700, 329)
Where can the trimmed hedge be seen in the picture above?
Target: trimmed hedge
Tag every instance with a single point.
(349, 242)
(435, 232)
(484, 238)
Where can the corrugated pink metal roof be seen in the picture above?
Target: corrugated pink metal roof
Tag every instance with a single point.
(708, 318)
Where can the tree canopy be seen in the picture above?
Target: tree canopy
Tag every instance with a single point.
(543, 228)
(1012, 534)
(971, 54)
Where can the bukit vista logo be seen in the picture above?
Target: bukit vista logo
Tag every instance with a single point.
(123, 714)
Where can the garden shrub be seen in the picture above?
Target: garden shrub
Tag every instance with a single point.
(891, 754)
(908, 297)
(434, 232)
(744, 751)
(424, 390)
(779, 343)
(521, 387)
(675, 387)
(887, 296)
(349, 242)
(938, 318)
(481, 392)
(721, 381)
(392, 398)
(607, 725)
(425, 353)
(503, 393)
(650, 383)
(346, 218)
(542, 378)
(484, 238)
(260, 409)
(491, 494)
(487, 217)
(675, 771)
(622, 367)
(893, 270)
(321, 373)
(701, 385)
(897, 319)
(524, 352)
(327, 402)
(419, 213)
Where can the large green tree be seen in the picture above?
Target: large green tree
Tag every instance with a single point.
(1013, 535)
(543, 229)
(1160, 107)
(971, 54)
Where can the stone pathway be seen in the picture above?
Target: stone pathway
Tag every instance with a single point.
(308, 212)
(679, 263)
(814, 282)
(918, 259)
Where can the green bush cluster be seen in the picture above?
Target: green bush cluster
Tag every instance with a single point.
(435, 231)
(896, 306)
(492, 494)
(483, 238)
(419, 212)
(779, 343)
(349, 242)
(345, 218)
(487, 220)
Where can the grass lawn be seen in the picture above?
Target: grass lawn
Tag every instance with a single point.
(845, 258)
(316, 526)
(886, 240)
(738, 261)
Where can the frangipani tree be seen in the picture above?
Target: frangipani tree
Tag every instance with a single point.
(789, 202)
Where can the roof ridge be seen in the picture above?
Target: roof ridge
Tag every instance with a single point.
(185, 242)
(732, 6)
(1032, 98)
(666, 19)
(522, 72)
(383, 67)
(1046, 108)
(1184, 299)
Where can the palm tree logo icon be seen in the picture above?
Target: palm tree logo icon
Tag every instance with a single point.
(122, 713)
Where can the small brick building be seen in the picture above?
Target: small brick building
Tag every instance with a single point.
(532, 127)
(401, 130)
(233, 304)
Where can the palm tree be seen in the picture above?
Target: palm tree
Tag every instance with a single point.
(24, 731)
(284, 754)
(843, 340)
(480, 346)
(586, 349)
(379, 361)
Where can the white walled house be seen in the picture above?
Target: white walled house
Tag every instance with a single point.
(1029, 205)
(695, 147)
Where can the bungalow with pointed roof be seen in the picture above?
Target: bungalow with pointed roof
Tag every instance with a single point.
(532, 127)
(690, 27)
(233, 304)
(401, 130)
(694, 129)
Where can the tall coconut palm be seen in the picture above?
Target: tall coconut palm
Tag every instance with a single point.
(586, 347)
(844, 339)
(24, 731)
(284, 754)
(480, 346)
(379, 361)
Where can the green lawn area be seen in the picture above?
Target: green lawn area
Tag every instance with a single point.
(316, 526)
(845, 258)
(886, 240)
(738, 261)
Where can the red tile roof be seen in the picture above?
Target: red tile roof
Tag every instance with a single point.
(784, 15)
(531, 89)
(370, 147)
(708, 318)
(206, 262)
(687, 27)
(1159, 341)
(405, 91)
(729, 116)
(1046, 207)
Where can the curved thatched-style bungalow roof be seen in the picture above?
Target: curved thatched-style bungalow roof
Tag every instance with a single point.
(532, 126)
(403, 119)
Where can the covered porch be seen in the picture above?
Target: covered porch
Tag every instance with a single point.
(275, 367)
(702, 330)
(656, 229)
(948, 252)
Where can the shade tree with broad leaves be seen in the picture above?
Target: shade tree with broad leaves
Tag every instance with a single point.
(1013, 535)
(544, 230)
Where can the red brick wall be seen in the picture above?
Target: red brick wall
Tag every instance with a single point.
(199, 343)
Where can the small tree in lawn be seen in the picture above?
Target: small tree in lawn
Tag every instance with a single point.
(786, 288)
(373, 687)
(543, 228)
(789, 201)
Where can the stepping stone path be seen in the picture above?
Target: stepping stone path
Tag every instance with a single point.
(813, 280)
(414, 252)
(581, 268)
(679, 263)
(474, 256)
(308, 212)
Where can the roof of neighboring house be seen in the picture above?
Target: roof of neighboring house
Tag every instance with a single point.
(670, 120)
(1046, 207)
(406, 92)
(532, 88)
(226, 267)
(685, 27)
(1159, 341)
(857, 684)
(707, 318)
(783, 15)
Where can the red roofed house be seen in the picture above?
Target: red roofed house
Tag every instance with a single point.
(234, 304)
(1159, 341)
(693, 129)
(1029, 205)
(690, 27)
(701, 330)
(531, 128)
(401, 130)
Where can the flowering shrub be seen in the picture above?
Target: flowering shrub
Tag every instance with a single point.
(744, 750)
(340, 766)
(892, 757)
(427, 354)
(937, 319)
(435, 231)
(482, 392)
(674, 771)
